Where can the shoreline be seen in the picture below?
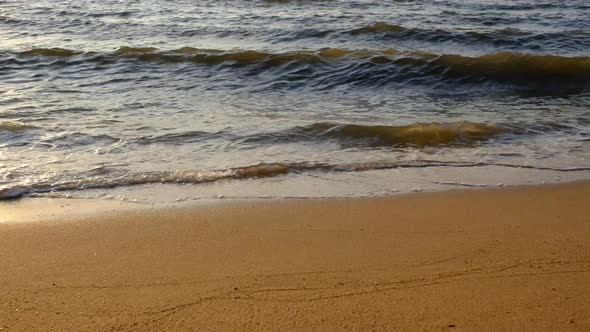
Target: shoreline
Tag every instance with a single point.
(500, 258)
(268, 181)
(71, 209)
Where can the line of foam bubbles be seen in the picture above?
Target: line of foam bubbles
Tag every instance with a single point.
(247, 172)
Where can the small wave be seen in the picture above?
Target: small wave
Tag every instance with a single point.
(15, 127)
(9, 20)
(387, 64)
(513, 38)
(262, 170)
(212, 56)
(519, 6)
(507, 66)
(418, 134)
(50, 52)
(209, 56)
(449, 134)
(68, 139)
(378, 27)
(123, 14)
(179, 138)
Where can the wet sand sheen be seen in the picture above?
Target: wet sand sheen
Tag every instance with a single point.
(484, 259)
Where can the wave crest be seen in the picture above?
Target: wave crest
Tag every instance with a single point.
(419, 134)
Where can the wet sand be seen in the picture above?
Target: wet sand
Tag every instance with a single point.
(503, 259)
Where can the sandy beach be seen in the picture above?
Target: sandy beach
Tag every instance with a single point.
(501, 259)
(288, 165)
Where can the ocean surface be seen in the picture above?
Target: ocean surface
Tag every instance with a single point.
(157, 101)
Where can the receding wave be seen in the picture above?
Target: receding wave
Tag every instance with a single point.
(384, 65)
(261, 170)
(418, 134)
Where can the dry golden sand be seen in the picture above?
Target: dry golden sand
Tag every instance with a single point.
(510, 259)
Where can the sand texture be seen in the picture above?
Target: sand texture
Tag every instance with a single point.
(509, 259)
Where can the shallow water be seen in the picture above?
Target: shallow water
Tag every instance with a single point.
(153, 101)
